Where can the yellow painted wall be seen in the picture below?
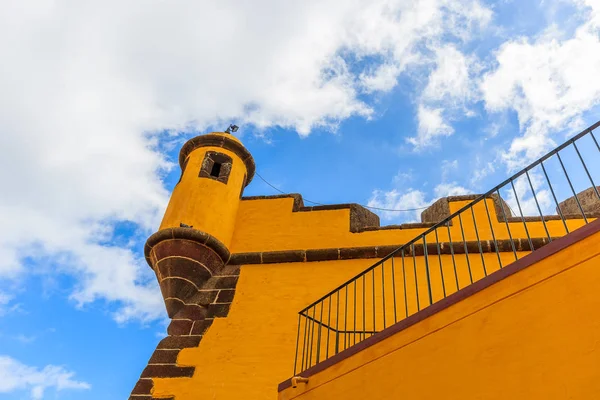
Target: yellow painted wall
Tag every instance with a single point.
(256, 341)
(206, 204)
(533, 335)
(270, 225)
(365, 309)
(246, 354)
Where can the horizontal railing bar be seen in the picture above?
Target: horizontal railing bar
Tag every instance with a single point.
(331, 328)
(456, 213)
(319, 322)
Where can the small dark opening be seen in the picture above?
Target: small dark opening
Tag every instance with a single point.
(216, 170)
(216, 166)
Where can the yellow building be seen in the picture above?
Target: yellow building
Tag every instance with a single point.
(477, 301)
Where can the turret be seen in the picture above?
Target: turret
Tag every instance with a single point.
(192, 244)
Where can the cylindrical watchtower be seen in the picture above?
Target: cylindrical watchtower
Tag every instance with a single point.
(193, 242)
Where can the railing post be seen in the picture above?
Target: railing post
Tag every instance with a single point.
(426, 257)
(297, 342)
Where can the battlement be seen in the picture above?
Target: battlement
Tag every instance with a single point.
(273, 229)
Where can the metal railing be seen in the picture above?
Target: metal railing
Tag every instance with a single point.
(516, 217)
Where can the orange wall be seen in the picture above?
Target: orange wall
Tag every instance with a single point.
(532, 335)
(246, 354)
(251, 350)
(358, 308)
(270, 225)
(256, 341)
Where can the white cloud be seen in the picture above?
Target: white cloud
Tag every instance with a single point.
(87, 86)
(432, 125)
(25, 339)
(481, 169)
(549, 81)
(451, 80)
(411, 200)
(5, 299)
(400, 31)
(18, 376)
(448, 168)
(450, 88)
(384, 78)
(492, 130)
(403, 177)
(526, 199)
(133, 287)
(450, 189)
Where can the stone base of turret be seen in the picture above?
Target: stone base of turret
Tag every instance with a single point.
(197, 286)
(185, 331)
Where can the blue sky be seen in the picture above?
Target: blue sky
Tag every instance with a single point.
(390, 103)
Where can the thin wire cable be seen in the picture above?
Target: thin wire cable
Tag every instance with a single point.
(321, 204)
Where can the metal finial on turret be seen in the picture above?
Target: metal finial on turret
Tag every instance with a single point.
(232, 128)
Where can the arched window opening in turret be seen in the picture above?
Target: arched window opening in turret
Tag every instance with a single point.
(216, 166)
